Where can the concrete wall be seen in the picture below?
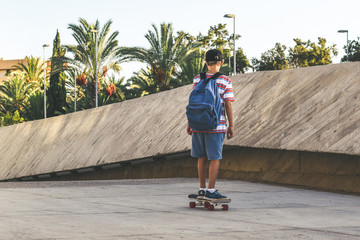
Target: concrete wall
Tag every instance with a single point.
(311, 109)
(326, 171)
(134, 129)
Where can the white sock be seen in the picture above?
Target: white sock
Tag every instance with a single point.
(203, 189)
(212, 190)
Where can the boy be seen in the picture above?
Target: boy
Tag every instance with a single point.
(208, 144)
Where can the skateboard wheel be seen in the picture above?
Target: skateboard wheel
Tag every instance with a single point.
(211, 207)
(225, 207)
(192, 204)
(206, 205)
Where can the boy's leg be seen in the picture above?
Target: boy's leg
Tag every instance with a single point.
(214, 145)
(198, 150)
(213, 172)
(202, 171)
(212, 193)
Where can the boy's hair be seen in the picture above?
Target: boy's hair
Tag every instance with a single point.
(213, 56)
(211, 63)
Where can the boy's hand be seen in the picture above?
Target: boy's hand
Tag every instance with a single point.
(230, 132)
(188, 130)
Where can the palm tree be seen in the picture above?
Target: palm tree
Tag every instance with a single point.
(33, 69)
(35, 107)
(190, 68)
(119, 95)
(144, 83)
(165, 55)
(15, 92)
(114, 91)
(94, 51)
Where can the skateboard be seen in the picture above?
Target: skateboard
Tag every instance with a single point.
(208, 204)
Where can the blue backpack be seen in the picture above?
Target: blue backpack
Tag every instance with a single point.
(204, 109)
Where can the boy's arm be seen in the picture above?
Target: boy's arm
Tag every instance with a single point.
(188, 129)
(229, 113)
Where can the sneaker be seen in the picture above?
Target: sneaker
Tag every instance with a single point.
(201, 194)
(192, 196)
(214, 195)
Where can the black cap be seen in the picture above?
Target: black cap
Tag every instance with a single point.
(213, 55)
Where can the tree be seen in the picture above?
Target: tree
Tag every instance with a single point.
(189, 69)
(299, 55)
(21, 95)
(94, 52)
(72, 74)
(354, 52)
(165, 55)
(273, 59)
(10, 119)
(321, 55)
(143, 83)
(242, 63)
(15, 92)
(33, 69)
(57, 92)
(34, 109)
(218, 37)
(115, 90)
(308, 53)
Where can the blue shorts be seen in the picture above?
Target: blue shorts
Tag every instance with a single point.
(208, 145)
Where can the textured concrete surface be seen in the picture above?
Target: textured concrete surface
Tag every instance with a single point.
(326, 171)
(158, 209)
(308, 109)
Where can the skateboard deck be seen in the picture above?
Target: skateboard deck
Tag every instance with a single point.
(208, 204)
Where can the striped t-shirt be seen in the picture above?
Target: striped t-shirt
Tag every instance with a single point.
(226, 94)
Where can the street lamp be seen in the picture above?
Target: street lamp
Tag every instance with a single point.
(44, 46)
(75, 97)
(347, 42)
(232, 16)
(96, 82)
(228, 48)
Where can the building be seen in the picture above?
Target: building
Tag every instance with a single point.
(6, 67)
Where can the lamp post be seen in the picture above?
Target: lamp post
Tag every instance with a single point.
(44, 46)
(347, 42)
(75, 97)
(228, 48)
(96, 82)
(233, 16)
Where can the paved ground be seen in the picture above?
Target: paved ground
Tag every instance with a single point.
(158, 209)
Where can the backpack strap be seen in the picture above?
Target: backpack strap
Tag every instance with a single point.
(216, 75)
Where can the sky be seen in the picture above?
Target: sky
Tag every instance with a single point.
(25, 25)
